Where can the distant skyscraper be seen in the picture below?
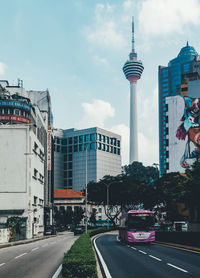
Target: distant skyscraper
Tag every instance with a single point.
(133, 69)
(170, 85)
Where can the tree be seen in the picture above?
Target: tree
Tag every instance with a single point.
(78, 215)
(93, 216)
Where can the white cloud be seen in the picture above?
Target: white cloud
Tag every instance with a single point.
(164, 17)
(2, 68)
(106, 31)
(124, 131)
(101, 62)
(96, 113)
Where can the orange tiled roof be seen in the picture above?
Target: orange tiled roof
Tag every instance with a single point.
(67, 193)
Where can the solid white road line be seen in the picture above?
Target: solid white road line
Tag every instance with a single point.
(142, 252)
(107, 273)
(20, 255)
(134, 248)
(2, 264)
(58, 271)
(35, 248)
(177, 267)
(155, 258)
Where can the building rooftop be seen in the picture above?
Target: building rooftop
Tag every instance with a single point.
(67, 193)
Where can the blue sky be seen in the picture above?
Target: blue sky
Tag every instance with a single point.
(77, 48)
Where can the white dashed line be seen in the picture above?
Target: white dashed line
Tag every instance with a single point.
(155, 258)
(177, 267)
(20, 255)
(2, 264)
(134, 248)
(142, 252)
(35, 248)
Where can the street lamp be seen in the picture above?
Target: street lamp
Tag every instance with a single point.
(86, 173)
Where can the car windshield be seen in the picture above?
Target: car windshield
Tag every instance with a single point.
(140, 221)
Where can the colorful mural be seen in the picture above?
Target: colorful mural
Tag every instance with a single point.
(189, 131)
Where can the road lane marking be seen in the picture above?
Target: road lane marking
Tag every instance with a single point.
(105, 268)
(35, 248)
(58, 271)
(2, 264)
(177, 267)
(44, 245)
(142, 252)
(20, 255)
(155, 258)
(175, 247)
(134, 248)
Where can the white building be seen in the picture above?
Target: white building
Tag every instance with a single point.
(23, 151)
(22, 177)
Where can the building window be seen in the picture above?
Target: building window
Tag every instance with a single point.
(165, 89)
(186, 67)
(81, 139)
(70, 174)
(70, 165)
(99, 146)
(118, 151)
(35, 200)
(107, 148)
(107, 140)
(115, 151)
(75, 148)
(65, 157)
(70, 149)
(111, 149)
(93, 146)
(87, 138)
(92, 137)
(81, 147)
(99, 137)
(100, 210)
(70, 140)
(103, 147)
(118, 143)
(75, 139)
(70, 157)
(35, 174)
(104, 138)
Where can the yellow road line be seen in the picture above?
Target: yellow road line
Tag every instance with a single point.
(176, 247)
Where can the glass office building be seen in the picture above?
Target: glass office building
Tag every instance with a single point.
(103, 156)
(169, 85)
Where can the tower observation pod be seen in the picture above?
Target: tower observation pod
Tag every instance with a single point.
(133, 69)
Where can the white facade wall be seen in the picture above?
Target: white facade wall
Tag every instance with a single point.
(19, 188)
(176, 147)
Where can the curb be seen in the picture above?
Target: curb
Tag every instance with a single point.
(26, 241)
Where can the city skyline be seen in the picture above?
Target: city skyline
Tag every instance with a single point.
(77, 50)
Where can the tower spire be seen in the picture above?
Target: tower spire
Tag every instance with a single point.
(133, 50)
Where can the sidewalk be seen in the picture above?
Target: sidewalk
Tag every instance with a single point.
(25, 241)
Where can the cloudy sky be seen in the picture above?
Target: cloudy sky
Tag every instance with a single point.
(77, 48)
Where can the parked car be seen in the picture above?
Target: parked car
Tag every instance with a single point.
(50, 231)
(79, 230)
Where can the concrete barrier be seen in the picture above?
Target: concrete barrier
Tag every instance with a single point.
(185, 238)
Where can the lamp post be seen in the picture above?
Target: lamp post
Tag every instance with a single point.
(86, 221)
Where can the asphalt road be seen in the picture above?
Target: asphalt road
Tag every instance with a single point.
(39, 259)
(145, 261)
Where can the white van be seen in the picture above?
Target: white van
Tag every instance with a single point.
(180, 226)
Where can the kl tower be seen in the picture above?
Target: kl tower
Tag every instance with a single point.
(133, 69)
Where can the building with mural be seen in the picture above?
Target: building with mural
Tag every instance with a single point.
(183, 128)
(173, 80)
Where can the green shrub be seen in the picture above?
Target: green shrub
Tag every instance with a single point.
(99, 231)
(80, 261)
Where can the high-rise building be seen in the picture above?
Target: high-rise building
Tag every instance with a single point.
(133, 69)
(94, 151)
(170, 84)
